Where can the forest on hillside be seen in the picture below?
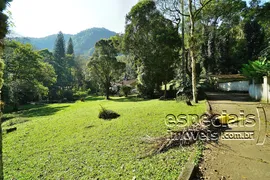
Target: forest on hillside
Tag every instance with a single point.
(84, 41)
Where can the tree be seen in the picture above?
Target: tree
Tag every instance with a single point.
(256, 28)
(70, 49)
(47, 56)
(254, 34)
(263, 16)
(80, 72)
(221, 44)
(64, 66)
(168, 45)
(131, 67)
(60, 61)
(104, 65)
(123, 56)
(175, 11)
(70, 64)
(154, 42)
(27, 77)
(3, 32)
(59, 48)
(194, 9)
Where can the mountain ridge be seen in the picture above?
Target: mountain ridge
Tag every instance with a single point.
(84, 41)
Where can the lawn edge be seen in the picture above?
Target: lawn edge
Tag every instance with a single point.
(189, 169)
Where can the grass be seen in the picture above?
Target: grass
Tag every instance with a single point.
(68, 141)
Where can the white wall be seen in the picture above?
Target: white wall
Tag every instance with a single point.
(260, 91)
(256, 91)
(234, 86)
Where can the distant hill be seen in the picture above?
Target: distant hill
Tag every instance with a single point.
(84, 42)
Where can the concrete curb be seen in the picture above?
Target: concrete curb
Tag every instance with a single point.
(189, 169)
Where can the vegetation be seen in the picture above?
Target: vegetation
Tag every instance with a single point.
(104, 65)
(107, 114)
(27, 77)
(227, 34)
(4, 25)
(126, 90)
(154, 41)
(70, 49)
(255, 70)
(84, 41)
(173, 44)
(168, 46)
(47, 144)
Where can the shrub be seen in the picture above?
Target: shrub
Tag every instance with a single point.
(107, 114)
(89, 91)
(80, 95)
(256, 69)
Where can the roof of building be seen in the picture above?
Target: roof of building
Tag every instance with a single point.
(131, 82)
(228, 77)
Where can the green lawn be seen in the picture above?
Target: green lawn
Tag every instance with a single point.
(68, 141)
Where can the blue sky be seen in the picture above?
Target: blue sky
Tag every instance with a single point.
(39, 18)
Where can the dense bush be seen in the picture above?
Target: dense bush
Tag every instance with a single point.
(256, 69)
(107, 114)
(80, 95)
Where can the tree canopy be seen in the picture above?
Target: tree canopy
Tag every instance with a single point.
(154, 42)
(104, 65)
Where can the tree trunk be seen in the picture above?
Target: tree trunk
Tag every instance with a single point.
(1, 152)
(183, 43)
(194, 79)
(165, 90)
(1, 143)
(188, 70)
(16, 101)
(107, 91)
(192, 56)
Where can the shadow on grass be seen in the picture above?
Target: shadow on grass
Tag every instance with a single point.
(41, 111)
(129, 99)
(9, 108)
(5, 118)
(94, 98)
(17, 121)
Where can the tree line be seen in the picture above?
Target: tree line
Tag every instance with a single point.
(40, 75)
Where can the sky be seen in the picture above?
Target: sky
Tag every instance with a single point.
(40, 18)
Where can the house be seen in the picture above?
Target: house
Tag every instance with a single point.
(132, 83)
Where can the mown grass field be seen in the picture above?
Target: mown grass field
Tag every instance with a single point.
(69, 141)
